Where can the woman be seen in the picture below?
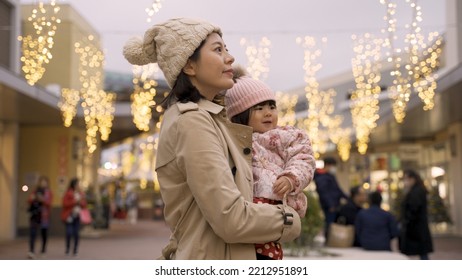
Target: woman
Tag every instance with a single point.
(39, 210)
(203, 160)
(415, 237)
(73, 202)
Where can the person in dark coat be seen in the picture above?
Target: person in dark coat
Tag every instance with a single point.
(415, 237)
(329, 191)
(375, 227)
(347, 212)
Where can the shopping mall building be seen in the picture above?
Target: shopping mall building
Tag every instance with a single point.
(33, 140)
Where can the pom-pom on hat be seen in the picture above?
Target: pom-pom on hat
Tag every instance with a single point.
(170, 44)
(246, 93)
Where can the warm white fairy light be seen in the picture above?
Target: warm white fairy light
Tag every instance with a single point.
(258, 56)
(143, 95)
(68, 104)
(400, 90)
(420, 62)
(340, 137)
(153, 9)
(366, 71)
(97, 105)
(286, 108)
(320, 103)
(36, 48)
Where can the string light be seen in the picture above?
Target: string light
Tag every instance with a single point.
(36, 49)
(286, 108)
(257, 57)
(153, 9)
(68, 105)
(143, 95)
(320, 103)
(366, 71)
(98, 105)
(340, 137)
(418, 73)
(400, 90)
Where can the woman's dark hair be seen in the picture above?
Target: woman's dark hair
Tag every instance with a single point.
(244, 117)
(183, 90)
(74, 182)
(418, 180)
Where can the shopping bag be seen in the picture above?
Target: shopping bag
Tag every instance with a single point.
(340, 236)
(85, 216)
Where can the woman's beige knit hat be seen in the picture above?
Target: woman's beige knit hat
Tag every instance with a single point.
(170, 44)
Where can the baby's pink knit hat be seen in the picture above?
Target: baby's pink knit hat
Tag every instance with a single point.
(246, 93)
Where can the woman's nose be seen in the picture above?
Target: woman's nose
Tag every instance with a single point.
(229, 58)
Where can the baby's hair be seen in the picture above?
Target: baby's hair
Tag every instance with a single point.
(244, 117)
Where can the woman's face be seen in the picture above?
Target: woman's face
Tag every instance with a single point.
(43, 183)
(263, 117)
(212, 72)
(408, 181)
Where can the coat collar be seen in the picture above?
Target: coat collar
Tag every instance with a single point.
(209, 106)
(203, 104)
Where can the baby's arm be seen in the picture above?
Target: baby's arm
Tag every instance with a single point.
(299, 159)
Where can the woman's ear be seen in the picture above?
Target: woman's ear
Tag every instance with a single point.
(189, 69)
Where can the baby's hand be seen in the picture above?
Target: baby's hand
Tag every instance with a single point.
(282, 186)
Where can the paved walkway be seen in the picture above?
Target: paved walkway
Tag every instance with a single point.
(145, 240)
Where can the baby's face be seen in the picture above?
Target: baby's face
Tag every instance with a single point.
(263, 118)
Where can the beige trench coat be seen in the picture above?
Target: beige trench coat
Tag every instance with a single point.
(203, 166)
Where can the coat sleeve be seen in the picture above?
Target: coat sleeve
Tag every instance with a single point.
(299, 159)
(68, 200)
(203, 158)
(392, 226)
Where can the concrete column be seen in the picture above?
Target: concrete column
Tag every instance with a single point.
(8, 179)
(15, 62)
(455, 176)
(453, 42)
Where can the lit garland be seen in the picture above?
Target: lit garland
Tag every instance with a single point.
(36, 49)
(143, 95)
(153, 9)
(425, 79)
(257, 57)
(340, 137)
(320, 104)
(286, 108)
(365, 104)
(400, 91)
(419, 69)
(97, 105)
(68, 104)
